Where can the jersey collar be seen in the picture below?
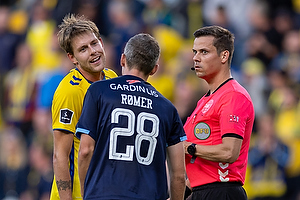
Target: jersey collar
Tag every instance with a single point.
(208, 93)
(89, 80)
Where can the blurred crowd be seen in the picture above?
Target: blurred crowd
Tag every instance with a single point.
(266, 62)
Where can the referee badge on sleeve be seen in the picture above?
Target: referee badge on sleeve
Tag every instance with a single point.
(66, 116)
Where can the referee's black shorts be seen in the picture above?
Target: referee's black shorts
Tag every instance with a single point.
(219, 191)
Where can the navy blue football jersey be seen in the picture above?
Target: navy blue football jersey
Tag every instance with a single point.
(132, 125)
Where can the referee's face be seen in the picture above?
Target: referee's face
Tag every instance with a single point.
(89, 54)
(207, 62)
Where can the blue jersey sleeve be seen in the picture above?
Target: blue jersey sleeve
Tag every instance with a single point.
(87, 123)
(177, 133)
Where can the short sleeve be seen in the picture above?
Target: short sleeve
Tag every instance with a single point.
(235, 110)
(87, 123)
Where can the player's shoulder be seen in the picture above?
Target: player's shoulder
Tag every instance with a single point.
(74, 77)
(71, 82)
(234, 91)
(239, 90)
(109, 73)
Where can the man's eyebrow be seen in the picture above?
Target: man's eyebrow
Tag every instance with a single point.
(80, 47)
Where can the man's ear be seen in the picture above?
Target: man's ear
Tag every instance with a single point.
(123, 60)
(72, 58)
(224, 56)
(154, 70)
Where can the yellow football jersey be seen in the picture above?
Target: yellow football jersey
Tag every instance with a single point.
(66, 110)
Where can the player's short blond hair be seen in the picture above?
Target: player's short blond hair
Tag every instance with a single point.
(71, 27)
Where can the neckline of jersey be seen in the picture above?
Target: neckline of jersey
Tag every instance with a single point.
(208, 93)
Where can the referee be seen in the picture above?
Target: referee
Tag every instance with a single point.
(218, 131)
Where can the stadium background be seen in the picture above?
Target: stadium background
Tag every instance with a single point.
(266, 62)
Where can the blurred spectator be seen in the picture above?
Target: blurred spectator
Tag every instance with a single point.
(221, 18)
(88, 8)
(185, 97)
(187, 86)
(277, 5)
(296, 9)
(50, 83)
(185, 16)
(164, 79)
(41, 41)
(61, 8)
(41, 119)
(14, 167)
(41, 174)
(268, 160)
(265, 41)
(162, 12)
(193, 9)
(123, 26)
(237, 18)
(20, 90)
(288, 130)
(253, 78)
(170, 42)
(289, 58)
(157, 13)
(284, 100)
(8, 42)
(279, 82)
(283, 22)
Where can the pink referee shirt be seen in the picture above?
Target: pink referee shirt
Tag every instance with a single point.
(228, 110)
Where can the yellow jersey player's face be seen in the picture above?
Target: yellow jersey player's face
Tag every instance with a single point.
(88, 53)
